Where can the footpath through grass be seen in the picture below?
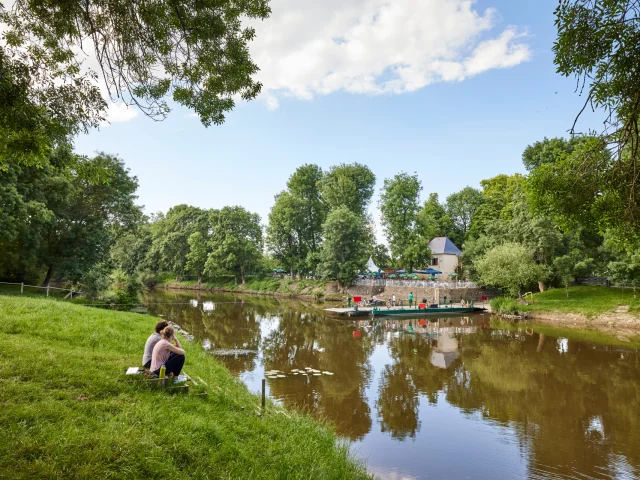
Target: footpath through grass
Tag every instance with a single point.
(68, 411)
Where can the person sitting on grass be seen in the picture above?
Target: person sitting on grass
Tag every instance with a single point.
(167, 354)
(151, 342)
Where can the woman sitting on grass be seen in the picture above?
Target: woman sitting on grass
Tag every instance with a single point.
(167, 354)
(151, 342)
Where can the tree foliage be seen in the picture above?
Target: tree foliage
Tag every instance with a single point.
(236, 245)
(380, 255)
(194, 51)
(351, 186)
(58, 219)
(599, 44)
(461, 206)
(346, 245)
(511, 267)
(171, 232)
(285, 237)
(434, 221)
(399, 209)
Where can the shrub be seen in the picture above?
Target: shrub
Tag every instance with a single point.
(149, 279)
(505, 305)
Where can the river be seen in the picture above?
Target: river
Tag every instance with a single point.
(447, 398)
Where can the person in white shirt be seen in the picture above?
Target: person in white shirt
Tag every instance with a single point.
(151, 342)
(393, 301)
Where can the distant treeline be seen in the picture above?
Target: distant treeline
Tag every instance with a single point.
(75, 218)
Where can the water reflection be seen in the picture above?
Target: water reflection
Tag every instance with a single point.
(414, 394)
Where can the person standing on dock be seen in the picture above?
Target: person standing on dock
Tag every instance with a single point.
(410, 299)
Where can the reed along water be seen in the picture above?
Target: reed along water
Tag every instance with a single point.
(444, 398)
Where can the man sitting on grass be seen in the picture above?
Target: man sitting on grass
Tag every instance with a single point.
(167, 354)
(151, 342)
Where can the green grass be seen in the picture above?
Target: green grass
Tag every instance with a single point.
(68, 411)
(590, 301)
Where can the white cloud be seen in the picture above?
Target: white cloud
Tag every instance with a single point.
(119, 112)
(271, 102)
(311, 47)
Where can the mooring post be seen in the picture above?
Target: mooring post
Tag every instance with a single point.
(264, 382)
(21, 288)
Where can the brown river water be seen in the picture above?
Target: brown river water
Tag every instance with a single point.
(436, 398)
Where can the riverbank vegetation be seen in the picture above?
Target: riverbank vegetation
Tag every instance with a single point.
(74, 413)
(317, 288)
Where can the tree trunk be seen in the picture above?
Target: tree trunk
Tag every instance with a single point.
(199, 280)
(244, 281)
(566, 288)
(541, 285)
(47, 279)
(540, 342)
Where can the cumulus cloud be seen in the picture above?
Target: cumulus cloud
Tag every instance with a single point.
(119, 112)
(310, 47)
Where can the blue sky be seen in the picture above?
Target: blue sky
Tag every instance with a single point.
(453, 132)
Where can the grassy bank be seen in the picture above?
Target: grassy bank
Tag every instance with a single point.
(68, 411)
(282, 286)
(588, 301)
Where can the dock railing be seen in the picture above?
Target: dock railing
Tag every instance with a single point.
(374, 282)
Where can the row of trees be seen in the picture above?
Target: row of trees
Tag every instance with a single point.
(532, 228)
(75, 218)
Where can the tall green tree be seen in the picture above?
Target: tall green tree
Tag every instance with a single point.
(461, 206)
(351, 186)
(434, 221)
(236, 243)
(399, 206)
(198, 254)
(597, 44)
(346, 245)
(287, 222)
(171, 233)
(304, 185)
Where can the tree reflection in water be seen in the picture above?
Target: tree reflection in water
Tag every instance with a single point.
(574, 406)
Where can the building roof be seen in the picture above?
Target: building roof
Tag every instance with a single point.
(442, 245)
